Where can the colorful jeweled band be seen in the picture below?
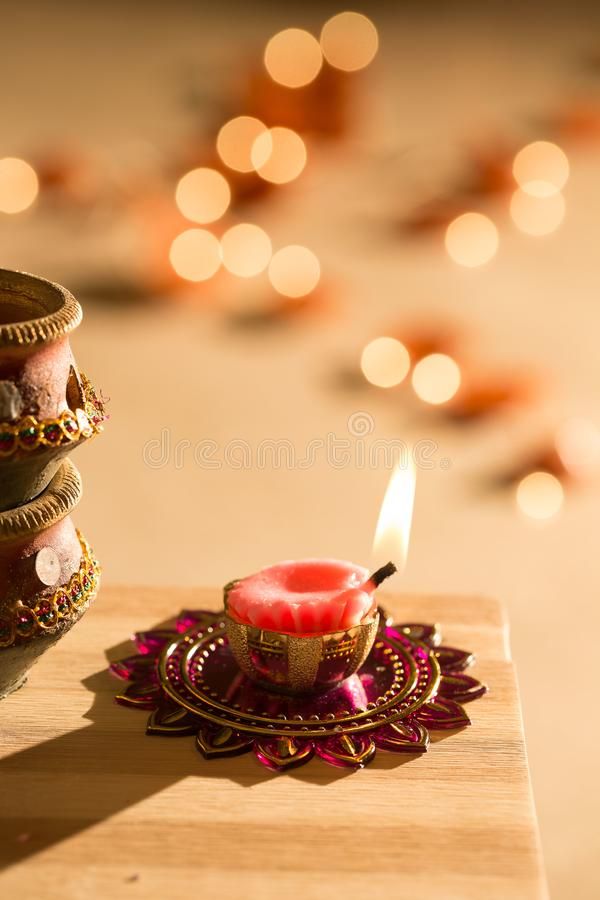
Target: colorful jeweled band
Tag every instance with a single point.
(24, 621)
(29, 433)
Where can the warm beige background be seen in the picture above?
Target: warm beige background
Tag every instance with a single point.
(113, 74)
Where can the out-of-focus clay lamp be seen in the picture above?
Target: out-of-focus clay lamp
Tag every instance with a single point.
(280, 92)
(178, 253)
(490, 171)
(424, 339)
(433, 215)
(579, 120)
(69, 176)
(306, 625)
(572, 455)
(485, 395)
(294, 89)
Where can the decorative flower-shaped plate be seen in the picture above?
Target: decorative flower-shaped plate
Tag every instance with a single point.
(188, 677)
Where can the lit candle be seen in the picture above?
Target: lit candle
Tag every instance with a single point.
(308, 624)
(315, 596)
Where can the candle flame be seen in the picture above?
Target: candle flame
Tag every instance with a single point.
(393, 527)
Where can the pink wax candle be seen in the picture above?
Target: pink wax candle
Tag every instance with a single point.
(307, 596)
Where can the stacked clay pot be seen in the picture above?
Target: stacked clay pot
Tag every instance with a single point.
(48, 575)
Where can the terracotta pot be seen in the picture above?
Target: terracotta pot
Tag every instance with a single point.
(47, 406)
(48, 576)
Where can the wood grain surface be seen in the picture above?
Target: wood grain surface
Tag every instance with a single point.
(91, 807)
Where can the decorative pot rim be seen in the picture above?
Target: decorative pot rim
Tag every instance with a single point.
(62, 312)
(55, 503)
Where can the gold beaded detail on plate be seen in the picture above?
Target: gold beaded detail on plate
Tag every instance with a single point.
(26, 620)
(30, 433)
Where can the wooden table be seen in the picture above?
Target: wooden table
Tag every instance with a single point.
(91, 807)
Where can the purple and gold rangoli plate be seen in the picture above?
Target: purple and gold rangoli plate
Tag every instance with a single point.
(408, 685)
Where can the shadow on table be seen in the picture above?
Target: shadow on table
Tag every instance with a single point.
(44, 793)
(45, 796)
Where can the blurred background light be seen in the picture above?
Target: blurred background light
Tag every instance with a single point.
(436, 378)
(294, 271)
(539, 495)
(349, 41)
(203, 195)
(537, 215)
(578, 446)
(236, 139)
(385, 362)
(18, 185)
(293, 57)
(246, 250)
(541, 168)
(195, 254)
(279, 155)
(472, 239)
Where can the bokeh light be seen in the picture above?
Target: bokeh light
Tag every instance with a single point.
(246, 250)
(236, 139)
(578, 446)
(436, 378)
(203, 195)
(471, 239)
(294, 271)
(349, 41)
(537, 215)
(293, 57)
(539, 495)
(18, 185)
(279, 155)
(385, 362)
(541, 168)
(195, 254)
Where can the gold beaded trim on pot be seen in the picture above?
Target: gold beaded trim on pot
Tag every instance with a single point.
(29, 433)
(25, 621)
